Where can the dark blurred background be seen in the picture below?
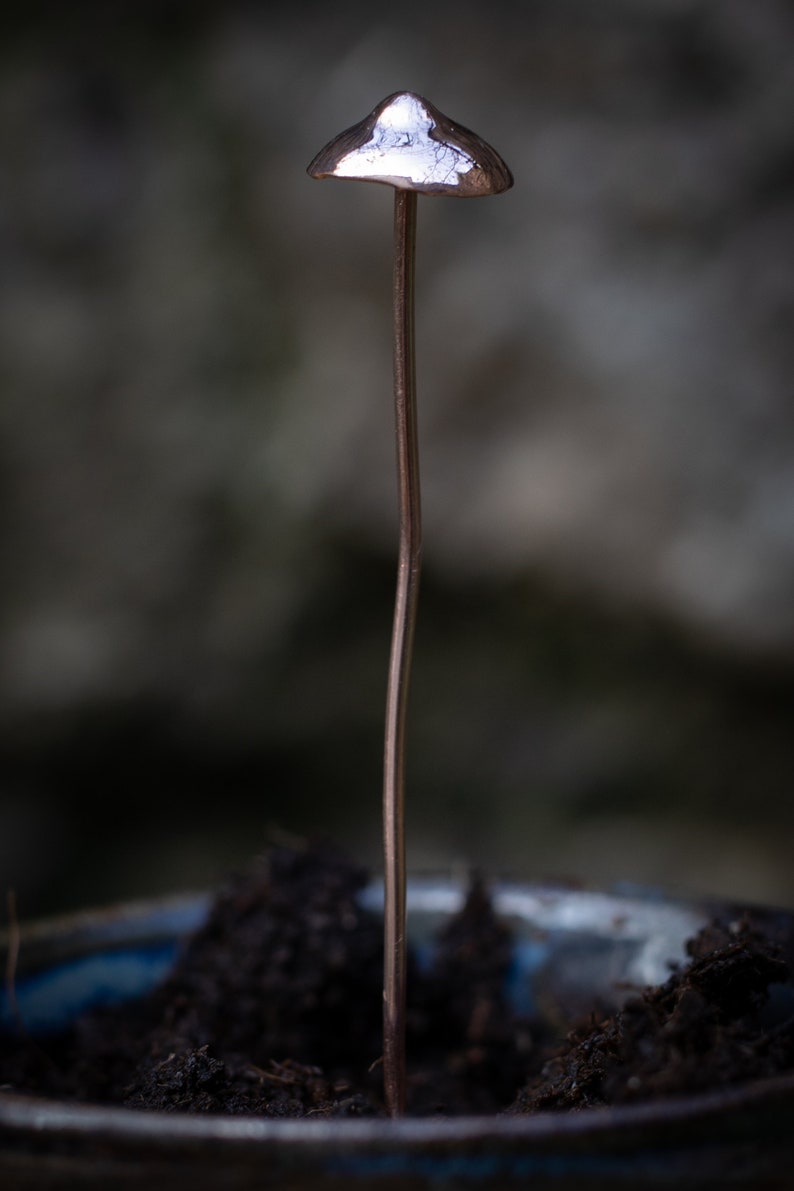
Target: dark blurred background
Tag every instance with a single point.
(197, 495)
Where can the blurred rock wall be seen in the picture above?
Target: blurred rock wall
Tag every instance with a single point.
(196, 463)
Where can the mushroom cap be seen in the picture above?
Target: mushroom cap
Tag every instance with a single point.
(408, 143)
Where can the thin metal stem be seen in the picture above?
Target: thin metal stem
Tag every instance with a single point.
(409, 563)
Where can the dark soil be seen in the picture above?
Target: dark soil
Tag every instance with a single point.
(274, 1007)
(702, 1029)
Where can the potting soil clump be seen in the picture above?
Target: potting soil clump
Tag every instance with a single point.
(700, 1030)
(274, 1008)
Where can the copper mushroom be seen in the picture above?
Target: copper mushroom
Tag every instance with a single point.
(409, 144)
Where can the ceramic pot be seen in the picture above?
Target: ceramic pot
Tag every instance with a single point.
(568, 943)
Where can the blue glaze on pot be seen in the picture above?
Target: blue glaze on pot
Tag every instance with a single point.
(528, 959)
(50, 1000)
(69, 966)
(490, 1168)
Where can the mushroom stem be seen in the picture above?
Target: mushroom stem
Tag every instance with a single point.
(409, 563)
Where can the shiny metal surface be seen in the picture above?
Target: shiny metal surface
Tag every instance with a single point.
(408, 143)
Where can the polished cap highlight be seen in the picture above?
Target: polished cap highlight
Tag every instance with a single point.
(408, 143)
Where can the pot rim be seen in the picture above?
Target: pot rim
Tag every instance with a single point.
(24, 1113)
